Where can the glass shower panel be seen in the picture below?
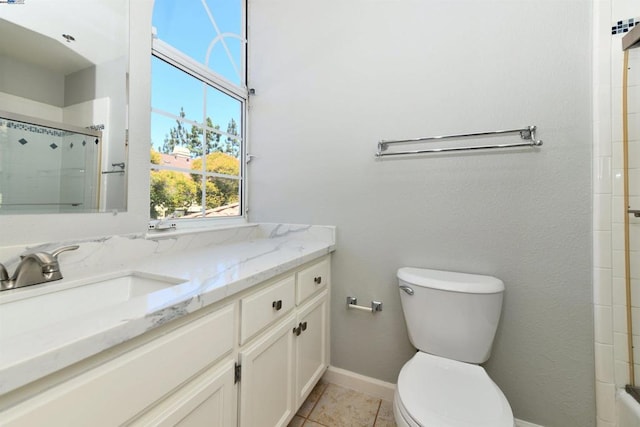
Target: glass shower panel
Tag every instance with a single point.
(44, 169)
(633, 189)
(628, 187)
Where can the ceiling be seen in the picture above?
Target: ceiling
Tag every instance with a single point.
(33, 32)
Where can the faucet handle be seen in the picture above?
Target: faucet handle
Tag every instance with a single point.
(63, 249)
(4, 276)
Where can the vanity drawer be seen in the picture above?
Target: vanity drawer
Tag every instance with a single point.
(119, 389)
(264, 307)
(312, 279)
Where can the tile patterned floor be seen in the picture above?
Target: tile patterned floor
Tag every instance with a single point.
(330, 405)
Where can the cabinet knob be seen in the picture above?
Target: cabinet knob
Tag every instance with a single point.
(317, 280)
(277, 305)
(300, 328)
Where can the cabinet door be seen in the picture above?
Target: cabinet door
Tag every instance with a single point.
(118, 390)
(266, 385)
(312, 350)
(210, 400)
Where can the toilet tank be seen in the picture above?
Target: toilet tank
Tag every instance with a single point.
(452, 315)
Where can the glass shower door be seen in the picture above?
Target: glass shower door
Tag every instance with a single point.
(629, 204)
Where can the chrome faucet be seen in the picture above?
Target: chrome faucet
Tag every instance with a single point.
(34, 268)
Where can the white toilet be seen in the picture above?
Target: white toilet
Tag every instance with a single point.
(452, 320)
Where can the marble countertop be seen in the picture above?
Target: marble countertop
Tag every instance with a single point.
(211, 265)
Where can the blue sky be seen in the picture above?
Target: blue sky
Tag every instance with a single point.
(185, 25)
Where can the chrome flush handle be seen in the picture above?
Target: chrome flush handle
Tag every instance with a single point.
(407, 289)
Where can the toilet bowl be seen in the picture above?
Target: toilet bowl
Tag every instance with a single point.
(452, 320)
(434, 391)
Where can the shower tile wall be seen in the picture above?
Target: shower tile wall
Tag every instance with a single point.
(30, 162)
(609, 212)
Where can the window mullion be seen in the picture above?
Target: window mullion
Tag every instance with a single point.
(205, 150)
(179, 60)
(193, 123)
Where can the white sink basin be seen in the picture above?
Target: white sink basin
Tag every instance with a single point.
(29, 308)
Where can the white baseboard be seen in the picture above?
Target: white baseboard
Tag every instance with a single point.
(376, 388)
(520, 423)
(363, 384)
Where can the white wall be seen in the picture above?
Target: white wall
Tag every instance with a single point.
(29, 81)
(115, 185)
(27, 107)
(334, 77)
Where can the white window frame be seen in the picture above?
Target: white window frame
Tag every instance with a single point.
(176, 58)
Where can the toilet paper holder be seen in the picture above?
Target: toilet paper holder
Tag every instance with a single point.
(352, 302)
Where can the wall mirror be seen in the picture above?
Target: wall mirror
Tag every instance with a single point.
(63, 106)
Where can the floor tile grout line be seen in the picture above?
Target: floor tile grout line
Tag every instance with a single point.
(326, 385)
(313, 422)
(375, 420)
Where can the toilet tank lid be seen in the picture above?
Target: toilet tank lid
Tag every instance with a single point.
(451, 281)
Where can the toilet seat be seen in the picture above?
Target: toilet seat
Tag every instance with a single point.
(439, 392)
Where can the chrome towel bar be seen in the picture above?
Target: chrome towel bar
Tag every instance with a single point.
(114, 170)
(528, 133)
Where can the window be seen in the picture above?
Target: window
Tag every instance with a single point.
(198, 111)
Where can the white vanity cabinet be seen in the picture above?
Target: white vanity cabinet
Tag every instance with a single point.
(119, 389)
(283, 364)
(209, 400)
(248, 360)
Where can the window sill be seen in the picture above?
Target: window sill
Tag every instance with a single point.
(194, 226)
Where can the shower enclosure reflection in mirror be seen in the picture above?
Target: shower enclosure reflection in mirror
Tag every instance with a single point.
(47, 167)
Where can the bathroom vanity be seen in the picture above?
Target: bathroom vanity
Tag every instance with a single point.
(236, 343)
